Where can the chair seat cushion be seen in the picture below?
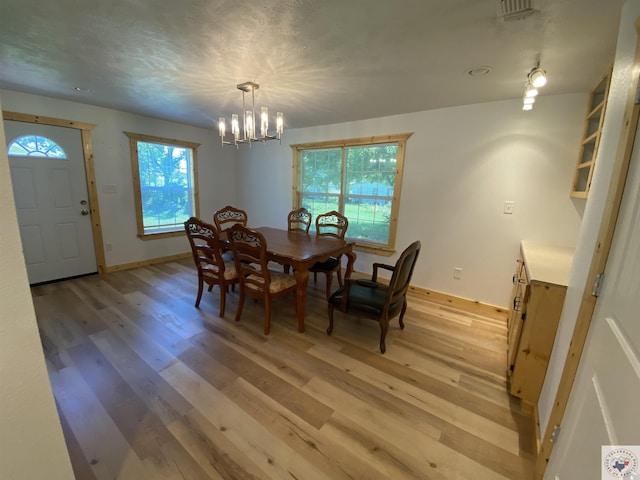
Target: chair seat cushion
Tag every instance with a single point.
(230, 270)
(279, 281)
(365, 299)
(326, 266)
(213, 271)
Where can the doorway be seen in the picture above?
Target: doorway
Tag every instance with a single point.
(55, 197)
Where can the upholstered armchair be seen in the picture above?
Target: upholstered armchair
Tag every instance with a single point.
(376, 300)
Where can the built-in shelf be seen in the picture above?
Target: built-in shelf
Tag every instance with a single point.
(591, 137)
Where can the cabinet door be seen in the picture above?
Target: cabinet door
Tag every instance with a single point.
(514, 291)
(518, 312)
(544, 305)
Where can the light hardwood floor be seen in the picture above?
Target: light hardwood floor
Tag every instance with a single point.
(149, 387)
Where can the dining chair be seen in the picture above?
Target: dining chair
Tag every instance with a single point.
(330, 224)
(256, 280)
(228, 216)
(207, 255)
(375, 300)
(299, 220)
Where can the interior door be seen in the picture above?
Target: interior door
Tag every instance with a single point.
(603, 405)
(52, 204)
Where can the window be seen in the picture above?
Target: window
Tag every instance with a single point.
(165, 186)
(35, 146)
(360, 178)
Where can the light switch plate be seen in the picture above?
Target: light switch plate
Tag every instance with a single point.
(508, 207)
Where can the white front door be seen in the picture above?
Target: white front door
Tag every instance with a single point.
(52, 204)
(604, 405)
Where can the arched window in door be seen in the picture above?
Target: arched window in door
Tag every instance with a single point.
(35, 146)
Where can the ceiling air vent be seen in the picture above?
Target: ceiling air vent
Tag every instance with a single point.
(509, 10)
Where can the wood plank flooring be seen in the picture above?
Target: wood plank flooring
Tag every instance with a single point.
(149, 387)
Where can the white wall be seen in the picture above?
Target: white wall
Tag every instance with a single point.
(31, 441)
(618, 91)
(112, 159)
(461, 165)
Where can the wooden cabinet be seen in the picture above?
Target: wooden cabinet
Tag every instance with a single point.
(591, 138)
(539, 288)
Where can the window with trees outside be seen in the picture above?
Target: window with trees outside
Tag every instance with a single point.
(165, 184)
(360, 178)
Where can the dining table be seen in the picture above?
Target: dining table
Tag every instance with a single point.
(300, 251)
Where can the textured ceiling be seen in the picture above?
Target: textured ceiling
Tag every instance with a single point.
(319, 61)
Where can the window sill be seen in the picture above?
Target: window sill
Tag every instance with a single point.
(157, 235)
(375, 249)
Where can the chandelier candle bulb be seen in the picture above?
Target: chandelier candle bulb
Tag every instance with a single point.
(279, 122)
(249, 129)
(264, 121)
(235, 127)
(222, 127)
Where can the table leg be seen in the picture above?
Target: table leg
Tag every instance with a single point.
(351, 260)
(302, 277)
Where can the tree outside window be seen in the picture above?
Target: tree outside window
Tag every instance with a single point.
(360, 178)
(165, 185)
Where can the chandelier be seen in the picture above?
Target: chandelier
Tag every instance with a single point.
(249, 122)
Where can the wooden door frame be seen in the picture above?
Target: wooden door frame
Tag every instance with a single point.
(90, 175)
(598, 262)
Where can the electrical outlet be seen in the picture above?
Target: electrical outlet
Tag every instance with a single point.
(508, 207)
(108, 247)
(457, 273)
(109, 189)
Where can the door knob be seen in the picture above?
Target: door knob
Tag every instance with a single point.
(84, 211)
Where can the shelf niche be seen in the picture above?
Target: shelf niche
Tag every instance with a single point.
(591, 137)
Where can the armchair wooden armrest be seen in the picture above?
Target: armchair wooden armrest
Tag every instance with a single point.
(384, 266)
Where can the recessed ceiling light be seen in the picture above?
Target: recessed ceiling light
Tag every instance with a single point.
(479, 71)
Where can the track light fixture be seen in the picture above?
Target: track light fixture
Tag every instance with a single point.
(530, 90)
(536, 79)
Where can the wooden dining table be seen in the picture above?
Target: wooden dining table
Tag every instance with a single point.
(301, 251)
